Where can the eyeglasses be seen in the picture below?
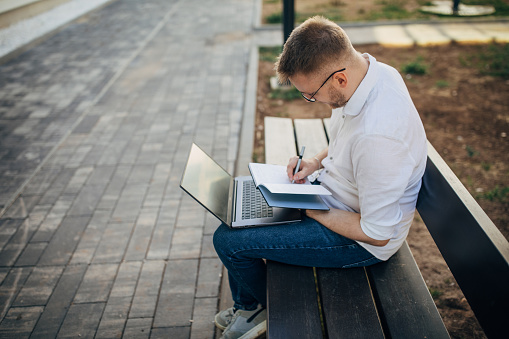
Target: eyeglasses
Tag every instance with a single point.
(312, 97)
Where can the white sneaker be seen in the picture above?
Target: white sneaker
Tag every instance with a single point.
(247, 324)
(224, 318)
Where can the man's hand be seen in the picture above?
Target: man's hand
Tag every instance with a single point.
(307, 167)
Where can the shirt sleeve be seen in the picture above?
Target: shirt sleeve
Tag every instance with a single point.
(382, 169)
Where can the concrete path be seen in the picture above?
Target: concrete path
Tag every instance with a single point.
(408, 33)
(96, 237)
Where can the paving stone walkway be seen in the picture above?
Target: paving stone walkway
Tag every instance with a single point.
(96, 238)
(95, 125)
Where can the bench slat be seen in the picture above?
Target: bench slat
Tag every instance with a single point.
(293, 310)
(279, 140)
(405, 305)
(310, 133)
(347, 302)
(475, 251)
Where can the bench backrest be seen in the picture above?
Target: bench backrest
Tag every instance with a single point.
(473, 248)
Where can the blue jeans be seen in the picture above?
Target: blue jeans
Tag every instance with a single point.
(306, 243)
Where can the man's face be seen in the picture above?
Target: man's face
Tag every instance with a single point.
(328, 94)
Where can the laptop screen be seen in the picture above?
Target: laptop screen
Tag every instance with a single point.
(207, 182)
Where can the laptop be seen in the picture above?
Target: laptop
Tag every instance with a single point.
(235, 201)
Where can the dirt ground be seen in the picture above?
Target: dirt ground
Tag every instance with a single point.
(349, 10)
(466, 117)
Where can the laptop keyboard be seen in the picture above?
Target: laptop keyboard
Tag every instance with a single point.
(253, 203)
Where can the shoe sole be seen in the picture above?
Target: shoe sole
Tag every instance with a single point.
(221, 327)
(218, 325)
(256, 331)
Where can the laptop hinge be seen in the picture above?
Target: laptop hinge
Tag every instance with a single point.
(234, 201)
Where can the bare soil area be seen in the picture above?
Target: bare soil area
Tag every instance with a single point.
(365, 10)
(466, 117)
(347, 10)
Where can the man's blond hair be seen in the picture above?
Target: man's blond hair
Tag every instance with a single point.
(314, 46)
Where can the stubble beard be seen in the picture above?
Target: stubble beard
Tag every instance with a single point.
(337, 99)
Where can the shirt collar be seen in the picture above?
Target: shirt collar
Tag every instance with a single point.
(359, 97)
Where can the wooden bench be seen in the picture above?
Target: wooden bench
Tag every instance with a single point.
(390, 299)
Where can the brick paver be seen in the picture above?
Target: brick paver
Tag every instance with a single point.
(95, 126)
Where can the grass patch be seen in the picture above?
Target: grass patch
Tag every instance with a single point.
(285, 94)
(489, 60)
(501, 6)
(494, 61)
(417, 67)
(391, 10)
(471, 152)
(269, 53)
(486, 166)
(274, 18)
(500, 194)
(435, 293)
(442, 84)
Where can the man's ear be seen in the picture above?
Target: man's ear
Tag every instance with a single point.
(340, 79)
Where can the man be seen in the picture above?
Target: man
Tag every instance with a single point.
(373, 167)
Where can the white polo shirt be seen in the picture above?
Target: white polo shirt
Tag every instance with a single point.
(377, 156)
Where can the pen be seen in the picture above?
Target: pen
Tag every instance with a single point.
(298, 162)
